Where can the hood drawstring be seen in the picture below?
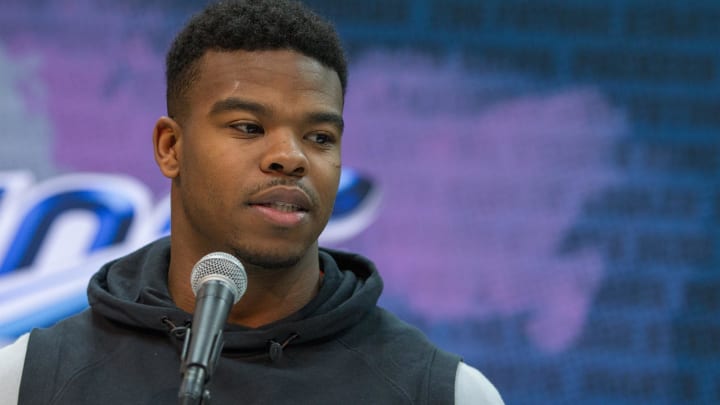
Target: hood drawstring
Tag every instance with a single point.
(275, 349)
(176, 333)
(173, 329)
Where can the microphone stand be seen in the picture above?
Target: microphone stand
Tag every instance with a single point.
(201, 349)
(195, 377)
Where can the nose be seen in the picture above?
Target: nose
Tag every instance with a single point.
(285, 156)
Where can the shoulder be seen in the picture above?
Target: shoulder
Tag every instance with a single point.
(12, 361)
(472, 387)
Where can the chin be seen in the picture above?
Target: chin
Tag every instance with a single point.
(268, 259)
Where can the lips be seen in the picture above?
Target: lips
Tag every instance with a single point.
(281, 206)
(283, 199)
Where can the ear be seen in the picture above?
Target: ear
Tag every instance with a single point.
(167, 143)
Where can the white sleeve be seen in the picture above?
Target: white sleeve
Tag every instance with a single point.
(472, 388)
(12, 361)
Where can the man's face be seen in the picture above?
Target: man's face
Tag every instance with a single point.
(258, 156)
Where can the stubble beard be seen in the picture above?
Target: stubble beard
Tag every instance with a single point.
(276, 260)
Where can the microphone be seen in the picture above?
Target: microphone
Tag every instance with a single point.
(218, 281)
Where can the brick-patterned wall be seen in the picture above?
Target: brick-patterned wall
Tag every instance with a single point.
(653, 334)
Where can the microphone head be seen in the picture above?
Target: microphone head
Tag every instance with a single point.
(222, 267)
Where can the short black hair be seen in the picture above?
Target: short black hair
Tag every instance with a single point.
(250, 25)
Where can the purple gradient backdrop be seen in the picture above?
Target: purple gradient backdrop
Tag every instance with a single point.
(483, 179)
(482, 174)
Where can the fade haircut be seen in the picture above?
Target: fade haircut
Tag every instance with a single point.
(249, 25)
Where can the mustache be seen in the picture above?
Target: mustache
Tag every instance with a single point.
(287, 183)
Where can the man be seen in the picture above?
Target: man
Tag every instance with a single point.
(252, 147)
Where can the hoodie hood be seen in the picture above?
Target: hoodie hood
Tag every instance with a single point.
(133, 291)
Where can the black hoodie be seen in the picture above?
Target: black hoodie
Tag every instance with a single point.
(339, 349)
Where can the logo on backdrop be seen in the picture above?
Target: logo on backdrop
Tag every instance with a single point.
(55, 234)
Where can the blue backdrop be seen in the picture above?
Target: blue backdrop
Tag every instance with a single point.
(536, 180)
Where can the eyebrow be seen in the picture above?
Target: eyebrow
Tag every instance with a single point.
(237, 104)
(328, 118)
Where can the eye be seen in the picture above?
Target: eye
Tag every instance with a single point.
(322, 138)
(248, 128)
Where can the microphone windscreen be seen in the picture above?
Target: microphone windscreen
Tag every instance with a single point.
(222, 267)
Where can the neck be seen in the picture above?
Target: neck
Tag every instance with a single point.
(272, 294)
(275, 294)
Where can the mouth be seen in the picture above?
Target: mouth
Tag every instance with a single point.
(282, 206)
(284, 199)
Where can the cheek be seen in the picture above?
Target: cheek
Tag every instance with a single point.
(200, 175)
(208, 157)
(330, 184)
(326, 169)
